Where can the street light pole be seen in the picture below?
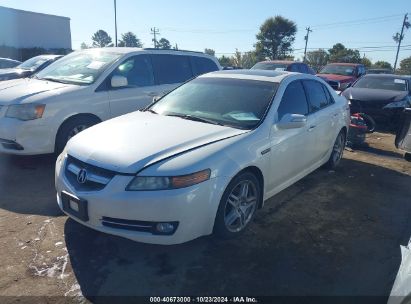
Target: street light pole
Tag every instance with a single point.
(115, 20)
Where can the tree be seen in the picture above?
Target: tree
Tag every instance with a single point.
(382, 65)
(339, 53)
(249, 59)
(164, 44)
(129, 39)
(210, 52)
(275, 38)
(84, 46)
(317, 59)
(405, 66)
(366, 61)
(225, 61)
(101, 39)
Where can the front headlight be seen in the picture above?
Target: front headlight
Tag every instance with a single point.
(28, 111)
(150, 183)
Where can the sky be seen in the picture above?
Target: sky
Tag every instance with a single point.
(227, 25)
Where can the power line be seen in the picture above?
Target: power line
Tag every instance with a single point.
(155, 32)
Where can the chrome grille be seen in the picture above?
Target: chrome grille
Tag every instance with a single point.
(96, 178)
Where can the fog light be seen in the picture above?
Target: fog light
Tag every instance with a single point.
(165, 228)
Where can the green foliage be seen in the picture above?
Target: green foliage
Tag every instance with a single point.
(129, 39)
(339, 53)
(101, 39)
(366, 61)
(382, 65)
(84, 46)
(275, 38)
(164, 44)
(405, 66)
(210, 52)
(317, 59)
(225, 61)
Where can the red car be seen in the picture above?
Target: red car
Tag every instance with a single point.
(341, 75)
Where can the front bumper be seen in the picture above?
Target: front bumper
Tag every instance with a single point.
(25, 137)
(193, 208)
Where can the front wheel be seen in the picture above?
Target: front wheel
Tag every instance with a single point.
(337, 152)
(238, 205)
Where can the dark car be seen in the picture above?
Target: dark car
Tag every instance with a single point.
(341, 75)
(284, 65)
(379, 71)
(6, 63)
(28, 67)
(381, 96)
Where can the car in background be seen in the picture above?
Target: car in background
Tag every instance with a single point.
(341, 75)
(203, 158)
(6, 63)
(28, 67)
(284, 65)
(381, 96)
(379, 71)
(39, 115)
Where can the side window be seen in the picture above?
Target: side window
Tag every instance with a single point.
(294, 68)
(293, 101)
(330, 99)
(171, 68)
(316, 95)
(304, 68)
(137, 70)
(202, 65)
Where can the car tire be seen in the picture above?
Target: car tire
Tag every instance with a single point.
(407, 157)
(238, 204)
(71, 128)
(337, 151)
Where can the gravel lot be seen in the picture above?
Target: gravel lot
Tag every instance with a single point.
(332, 233)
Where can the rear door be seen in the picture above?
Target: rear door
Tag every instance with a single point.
(141, 87)
(323, 112)
(170, 71)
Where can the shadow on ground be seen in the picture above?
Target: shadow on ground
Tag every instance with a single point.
(27, 184)
(332, 233)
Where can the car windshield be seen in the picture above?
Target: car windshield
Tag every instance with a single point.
(230, 102)
(33, 63)
(344, 70)
(382, 83)
(79, 68)
(270, 66)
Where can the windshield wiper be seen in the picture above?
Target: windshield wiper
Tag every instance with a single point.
(149, 110)
(54, 80)
(196, 118)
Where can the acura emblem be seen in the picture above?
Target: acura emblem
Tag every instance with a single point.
(82, 176)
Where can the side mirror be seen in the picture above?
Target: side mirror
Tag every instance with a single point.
(292, 121)
(118, 81)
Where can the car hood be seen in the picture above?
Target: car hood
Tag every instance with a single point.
(334, 77)
(26, 90)
(134, 141)
(365, 94)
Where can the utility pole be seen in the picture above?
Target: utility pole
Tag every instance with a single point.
(115, 20)
(308, 29)
(398, 38)
(155, 32)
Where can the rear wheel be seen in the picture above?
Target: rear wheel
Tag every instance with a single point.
(337, 152)
(71, 128)
(238, 205)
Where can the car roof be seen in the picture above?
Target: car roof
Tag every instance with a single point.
(259, 75)
(342, 63)
(127, 50)
(407, 77)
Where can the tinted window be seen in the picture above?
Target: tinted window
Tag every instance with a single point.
(293, 68)
(269, 66)
(316, 95)
(303, 68)
(137, 70)
(203, 65)
(294, 100)
(382, 83)
(171, 68)
(330, 99)
(232, 102)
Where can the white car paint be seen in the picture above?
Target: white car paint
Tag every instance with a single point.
(64, 101)
(147, 144)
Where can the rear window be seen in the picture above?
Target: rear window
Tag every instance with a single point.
(270, 66)
(203, 65)
(171, 68)
(382, 83)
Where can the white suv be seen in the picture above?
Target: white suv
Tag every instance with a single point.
(40, 114)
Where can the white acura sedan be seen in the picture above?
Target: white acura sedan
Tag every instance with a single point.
(203, 158)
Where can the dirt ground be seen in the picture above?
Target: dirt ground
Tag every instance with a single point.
(332, 233)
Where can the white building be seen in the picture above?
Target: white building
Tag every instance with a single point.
(23, 29)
